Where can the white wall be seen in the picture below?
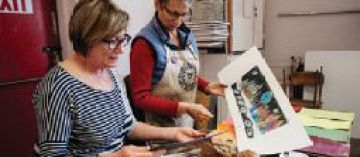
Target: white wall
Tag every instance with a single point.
(140, 12)
(341, 86)
(64, 9)
(247, 25)
(288, 36)
(293, 36)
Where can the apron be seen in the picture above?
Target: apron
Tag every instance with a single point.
(179, 83)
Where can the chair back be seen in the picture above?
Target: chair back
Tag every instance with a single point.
(138, 113)
(309, 79)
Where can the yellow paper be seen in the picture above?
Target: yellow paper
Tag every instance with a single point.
(324, 123)
(327, 114)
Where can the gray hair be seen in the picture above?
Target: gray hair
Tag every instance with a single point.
(167, 1)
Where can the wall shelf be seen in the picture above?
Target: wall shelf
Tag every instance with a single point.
(315, 13)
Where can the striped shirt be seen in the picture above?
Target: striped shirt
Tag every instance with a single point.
(75, 119)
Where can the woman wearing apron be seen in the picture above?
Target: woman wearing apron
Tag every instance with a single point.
(164, 65)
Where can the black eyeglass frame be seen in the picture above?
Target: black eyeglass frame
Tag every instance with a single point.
(175, 14)
(114, 43)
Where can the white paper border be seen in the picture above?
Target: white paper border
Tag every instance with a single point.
(290, 136)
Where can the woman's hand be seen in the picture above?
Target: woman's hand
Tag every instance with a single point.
(134, 151)
(245, 153)
(184, 134)
(196, 111)
(216, 88)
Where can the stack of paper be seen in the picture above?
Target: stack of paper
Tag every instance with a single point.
(210, 34)
(329, 131)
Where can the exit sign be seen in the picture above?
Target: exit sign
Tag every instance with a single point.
(16, 6)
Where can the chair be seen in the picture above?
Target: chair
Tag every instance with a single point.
(309, 79)
(138, 113)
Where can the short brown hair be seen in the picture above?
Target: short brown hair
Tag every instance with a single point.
(95, 20)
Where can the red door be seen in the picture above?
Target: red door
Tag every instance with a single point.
(28, 40)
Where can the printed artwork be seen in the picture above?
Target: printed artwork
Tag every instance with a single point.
(248, 124)
(264, 108)
(263, 118)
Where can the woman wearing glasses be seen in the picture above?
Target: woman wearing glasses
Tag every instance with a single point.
(164, 65)
(81, 108)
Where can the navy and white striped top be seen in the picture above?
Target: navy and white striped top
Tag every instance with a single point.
(75, 119)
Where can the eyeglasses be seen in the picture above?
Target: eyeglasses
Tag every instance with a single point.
(116, 42)
(175, 14)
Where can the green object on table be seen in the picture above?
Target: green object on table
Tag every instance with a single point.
(336, 135)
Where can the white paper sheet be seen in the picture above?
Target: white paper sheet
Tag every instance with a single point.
(263, 118)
